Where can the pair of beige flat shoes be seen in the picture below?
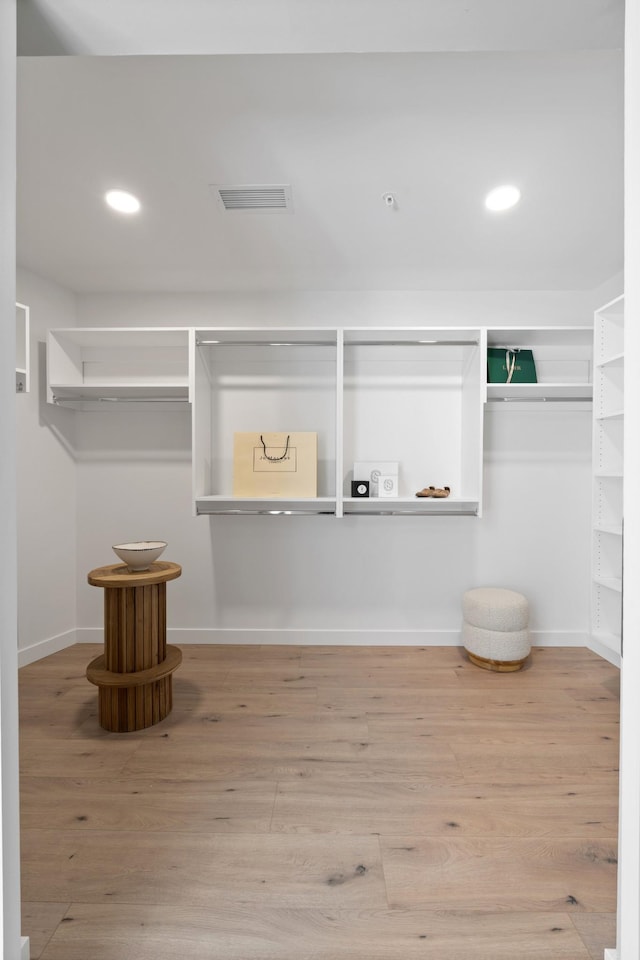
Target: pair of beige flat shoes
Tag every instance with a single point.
(434, 492)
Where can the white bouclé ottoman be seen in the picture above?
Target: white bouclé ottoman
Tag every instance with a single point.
(495, 628)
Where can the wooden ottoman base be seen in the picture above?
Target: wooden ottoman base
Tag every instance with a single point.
(500, 666)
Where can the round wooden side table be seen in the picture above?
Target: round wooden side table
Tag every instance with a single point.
(134, 673)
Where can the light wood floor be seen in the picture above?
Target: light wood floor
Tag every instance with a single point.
(315, 803)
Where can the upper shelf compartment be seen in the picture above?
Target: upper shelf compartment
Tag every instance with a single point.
(90, 367)
(563, 360)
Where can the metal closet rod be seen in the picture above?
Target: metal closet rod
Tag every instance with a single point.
(411, 343)
(119, 399)
(411, 513)
(265, 343)
(540, 399)
(332, 343)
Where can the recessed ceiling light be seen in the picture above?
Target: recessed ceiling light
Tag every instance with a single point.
(122, 201)
(502, 198)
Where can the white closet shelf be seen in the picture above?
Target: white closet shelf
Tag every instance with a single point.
(370, 506)
(613, 530)
(539, 392)
(410, 506)
(119, 392)
(614, 415)
(267, 506)
(611, 583)
(616, 360)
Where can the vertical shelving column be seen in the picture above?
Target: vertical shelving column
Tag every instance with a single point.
(608, 460)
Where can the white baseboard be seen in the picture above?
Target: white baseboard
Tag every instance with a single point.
(36, 651)
(354, 637)
(611, 955)
(603, 651)
(25, 952)
(324, 637)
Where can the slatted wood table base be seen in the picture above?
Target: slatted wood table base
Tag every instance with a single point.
(134, 675)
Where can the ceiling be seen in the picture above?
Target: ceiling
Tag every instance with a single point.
(436, 127)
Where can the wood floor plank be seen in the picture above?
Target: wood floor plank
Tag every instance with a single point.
(398, 658)
(473, 703)
(194, 869)
(241, 653)
(545, 666)
(238, 727)
(279, 727)
(597, 931)
(514, 874)
(41, 920)
(57, 719)
(264, 702)
(493, 729)
(77, 758)
(281, 760)
(556, 760)
(66, 664)
(435, 810)
(597, 693)
(146, 932)
(206, 807)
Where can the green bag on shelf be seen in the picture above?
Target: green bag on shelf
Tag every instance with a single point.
(510, 365)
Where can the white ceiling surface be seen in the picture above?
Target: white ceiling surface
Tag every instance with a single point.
(123, 27)
(437, 130)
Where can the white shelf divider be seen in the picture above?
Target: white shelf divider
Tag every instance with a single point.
(608, 459)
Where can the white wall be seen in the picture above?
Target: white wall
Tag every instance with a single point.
(628, 942)
(10, 946)
(345, 578)
(337, 308)
(46, 495)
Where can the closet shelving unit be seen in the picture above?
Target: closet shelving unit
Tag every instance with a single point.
(608, 468)
(93, 368)
(245, 380)
(22, 348)
(563, 359)
(414, 395)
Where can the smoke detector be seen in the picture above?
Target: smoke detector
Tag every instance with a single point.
(253, 197)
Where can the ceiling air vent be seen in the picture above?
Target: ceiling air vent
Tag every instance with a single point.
(254, 198)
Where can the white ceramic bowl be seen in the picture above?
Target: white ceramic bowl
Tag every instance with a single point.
(140, 554)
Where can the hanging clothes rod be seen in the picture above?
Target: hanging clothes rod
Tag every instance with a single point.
(265, 343)
(332, 343)
(540, 399)
(411, 343)
(119, 399)
(411, 513)
(205, 512)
